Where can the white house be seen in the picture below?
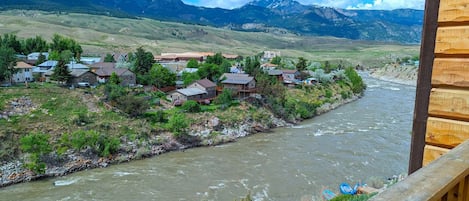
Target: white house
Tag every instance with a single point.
(24, 73)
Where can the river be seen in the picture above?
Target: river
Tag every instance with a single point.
(361, 140)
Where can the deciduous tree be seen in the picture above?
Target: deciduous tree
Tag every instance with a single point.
(7, 62)
(210, 71)
(109, 58)
(143, 61)
(37, 44)
(60, 44)
(10, 40)
(192, 63)
(215, 59)
(161, 76)
(114, 79)
(276, 60)
(190, 78)
(302, 64)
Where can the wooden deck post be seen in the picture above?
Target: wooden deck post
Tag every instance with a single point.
(427, 55)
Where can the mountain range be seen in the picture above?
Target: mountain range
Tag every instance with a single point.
(278, 16)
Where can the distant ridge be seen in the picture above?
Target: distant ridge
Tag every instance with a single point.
(402, 25)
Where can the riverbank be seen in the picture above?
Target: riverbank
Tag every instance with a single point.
(213, 132)
(401, 74)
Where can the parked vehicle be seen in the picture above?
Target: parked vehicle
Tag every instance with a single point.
(83, 85)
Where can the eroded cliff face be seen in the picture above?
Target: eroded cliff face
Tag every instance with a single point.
(403, 74)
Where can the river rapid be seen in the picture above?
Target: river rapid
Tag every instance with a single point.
(363, 139)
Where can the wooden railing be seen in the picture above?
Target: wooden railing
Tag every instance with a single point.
(445, 179)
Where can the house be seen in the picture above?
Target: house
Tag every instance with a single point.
(268, 55)
(96, 66)
(126, 76)
(290, 76)
(205, 85)
(186, 94)
(48, 65)
(238, 83)
(34, 57)
(269, 66)
(77, 66)
(24, 72)
(81, 76)
(276, 73)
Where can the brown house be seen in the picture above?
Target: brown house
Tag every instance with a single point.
(205, 85)
(126, 76)
(238, 83)
(83, 76)
(186, 94)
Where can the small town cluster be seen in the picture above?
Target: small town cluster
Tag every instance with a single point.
(92, 71)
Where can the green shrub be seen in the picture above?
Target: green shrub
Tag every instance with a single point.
(344, 95)
(158, 116)
(37, 145)
(81, 118)
(107, 145)
(82, 139)
(178, 124)
(357, 83)
(191, 106)
(261, 116)
(132, 105)
(114, 91)
(102, 144)
(225, 97)
(328, 93)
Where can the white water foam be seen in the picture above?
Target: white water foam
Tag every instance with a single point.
(65, 182)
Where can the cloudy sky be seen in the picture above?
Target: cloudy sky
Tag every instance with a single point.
(350, 4)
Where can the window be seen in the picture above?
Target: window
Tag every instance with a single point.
(26, 70)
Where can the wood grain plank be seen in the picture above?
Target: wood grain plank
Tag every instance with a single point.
(446, 133)
(452, 40)
(449, 104)
(432, 153)
(462, 190)
(454, 11)
(453, 194)
(451, 72)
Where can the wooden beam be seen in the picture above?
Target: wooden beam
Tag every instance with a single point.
(451, 72)
(452, 41)
(432, 153)
(427, 54)
(446, 133)
(449, 104)
(453, 11)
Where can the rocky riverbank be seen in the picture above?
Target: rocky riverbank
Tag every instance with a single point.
(211, 132)
(402, 74)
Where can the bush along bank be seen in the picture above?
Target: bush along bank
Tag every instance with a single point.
(61, 131)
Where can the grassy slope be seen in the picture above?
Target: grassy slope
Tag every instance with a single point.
(56, 113)
(104, 34)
